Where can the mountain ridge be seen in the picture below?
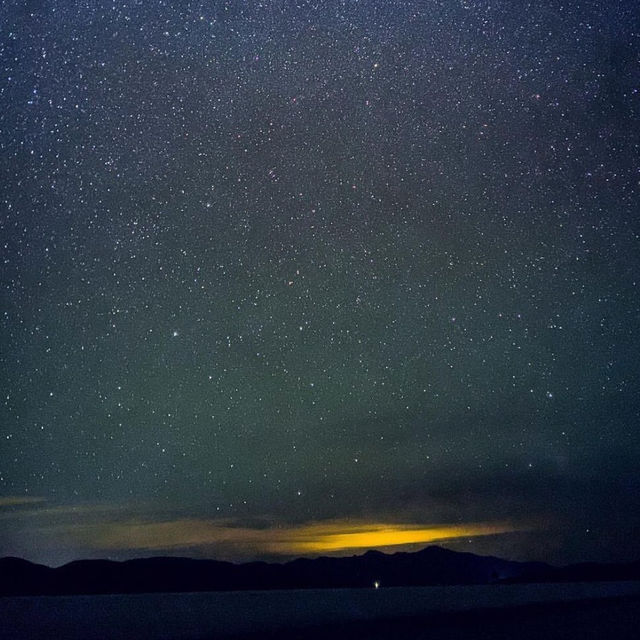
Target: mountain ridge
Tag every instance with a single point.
(430, 566)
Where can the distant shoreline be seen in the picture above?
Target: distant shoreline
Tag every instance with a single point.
(432, 566)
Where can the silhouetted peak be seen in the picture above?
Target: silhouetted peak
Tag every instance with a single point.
(431, 566)
(10, 562)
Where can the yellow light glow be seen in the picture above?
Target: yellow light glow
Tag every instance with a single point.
(226, 538)
(387, 535)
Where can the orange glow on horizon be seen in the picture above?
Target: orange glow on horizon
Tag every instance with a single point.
(389, 535)
(225, 537)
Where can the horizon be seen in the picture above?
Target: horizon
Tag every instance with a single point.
(387, 551)
(330, 555)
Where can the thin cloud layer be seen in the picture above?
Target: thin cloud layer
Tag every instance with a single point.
(311, 538)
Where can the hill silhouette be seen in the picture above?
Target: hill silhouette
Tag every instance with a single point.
(431, 566)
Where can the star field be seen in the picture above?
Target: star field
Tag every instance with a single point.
(275, 263)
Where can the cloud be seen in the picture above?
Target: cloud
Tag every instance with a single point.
(43, 511)
(386, 535)
(13, 501)
(307, 539)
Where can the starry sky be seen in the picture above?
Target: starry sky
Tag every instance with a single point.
(301, 277)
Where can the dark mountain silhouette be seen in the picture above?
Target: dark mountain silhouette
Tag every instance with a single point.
(431, 566)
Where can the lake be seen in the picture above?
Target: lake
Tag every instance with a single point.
(173, 616)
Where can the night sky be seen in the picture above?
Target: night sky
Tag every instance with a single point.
(313, 277)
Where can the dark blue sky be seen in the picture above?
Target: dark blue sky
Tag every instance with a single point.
(276, 266)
